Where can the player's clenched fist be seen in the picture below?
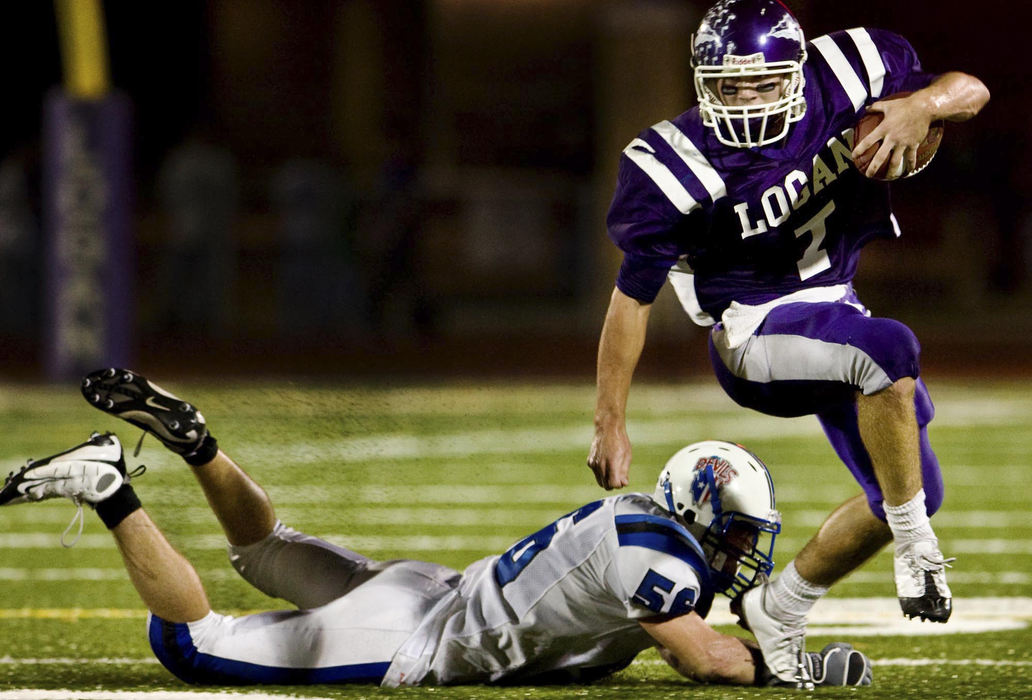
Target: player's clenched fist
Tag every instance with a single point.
(610, 458)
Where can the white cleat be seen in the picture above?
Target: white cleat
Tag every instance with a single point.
(87, 473)
(783, 644)
(921, 586)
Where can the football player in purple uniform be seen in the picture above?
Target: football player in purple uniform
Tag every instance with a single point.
(750, 206)
(572, 602)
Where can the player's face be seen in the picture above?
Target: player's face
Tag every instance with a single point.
(750, 92)
(739, 538)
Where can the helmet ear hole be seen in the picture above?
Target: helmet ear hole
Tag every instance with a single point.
(688, 515)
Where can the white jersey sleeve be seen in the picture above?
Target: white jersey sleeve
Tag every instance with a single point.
(661, 567)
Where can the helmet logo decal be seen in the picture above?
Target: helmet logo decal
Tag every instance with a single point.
(722, 474)
(787, 28)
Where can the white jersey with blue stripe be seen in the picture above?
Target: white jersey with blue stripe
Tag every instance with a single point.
(563, 603)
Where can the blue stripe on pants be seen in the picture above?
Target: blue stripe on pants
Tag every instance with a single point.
(174, 648)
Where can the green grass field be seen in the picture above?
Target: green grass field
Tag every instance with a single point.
(453, 472)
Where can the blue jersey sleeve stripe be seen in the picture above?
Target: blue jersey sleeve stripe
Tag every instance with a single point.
(869, 54)
(662, 535)
(844, 72)
(644, 156)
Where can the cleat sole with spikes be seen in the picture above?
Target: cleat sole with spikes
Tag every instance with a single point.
(135, 399)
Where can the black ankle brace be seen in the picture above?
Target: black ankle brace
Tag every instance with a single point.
(206, 452)
(116, 507)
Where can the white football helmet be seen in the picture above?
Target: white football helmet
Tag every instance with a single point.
(725, 495)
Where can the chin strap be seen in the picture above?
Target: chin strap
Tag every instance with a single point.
(668, 492)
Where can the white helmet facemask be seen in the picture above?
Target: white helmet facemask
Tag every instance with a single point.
(751, 126)
(757, 41)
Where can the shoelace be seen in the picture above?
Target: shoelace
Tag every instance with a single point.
(927, 562)
(795, 643)
(930, 562)
(139, 444)
(82, 519)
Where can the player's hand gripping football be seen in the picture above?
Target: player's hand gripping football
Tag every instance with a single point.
(904, 125)
(610, 457)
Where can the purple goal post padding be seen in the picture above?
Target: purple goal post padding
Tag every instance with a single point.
(87, 223)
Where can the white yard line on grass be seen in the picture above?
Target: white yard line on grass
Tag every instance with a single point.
(831, 616)
(949, 662)
(477, 542)
(117, 573)
(869, 617)
(879, 663)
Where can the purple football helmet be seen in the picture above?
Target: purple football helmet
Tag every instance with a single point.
(749, 39)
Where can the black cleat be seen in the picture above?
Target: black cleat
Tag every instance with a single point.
(134, 399)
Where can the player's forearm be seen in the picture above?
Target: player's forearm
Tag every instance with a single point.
(728, 661)
(954, 96)
(619, 348)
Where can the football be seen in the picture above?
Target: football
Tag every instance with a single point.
(925, 151)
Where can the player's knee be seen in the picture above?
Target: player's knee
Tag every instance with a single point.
(893, 347)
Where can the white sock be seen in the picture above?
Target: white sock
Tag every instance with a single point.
(790, 596)
(909, 522)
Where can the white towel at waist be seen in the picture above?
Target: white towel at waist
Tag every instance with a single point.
(741, 320)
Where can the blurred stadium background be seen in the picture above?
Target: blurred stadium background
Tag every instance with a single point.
(378, 193)
(403, 187)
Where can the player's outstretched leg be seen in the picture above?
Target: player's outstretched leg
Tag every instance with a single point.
(890, 432)
(94, 473)
(240, 504)
(135, 399)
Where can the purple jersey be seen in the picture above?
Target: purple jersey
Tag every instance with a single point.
(750, 225)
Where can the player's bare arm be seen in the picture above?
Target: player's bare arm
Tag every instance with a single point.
(699, 652)
(953, 96)
(620, 346)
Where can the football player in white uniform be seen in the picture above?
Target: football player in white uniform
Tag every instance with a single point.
(572, 602)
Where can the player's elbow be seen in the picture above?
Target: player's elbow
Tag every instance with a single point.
(978, 94)
(965, 96)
